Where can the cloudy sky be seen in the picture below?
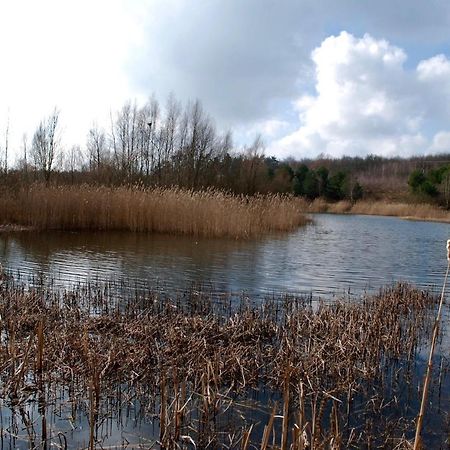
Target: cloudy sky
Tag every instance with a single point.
(312, 76)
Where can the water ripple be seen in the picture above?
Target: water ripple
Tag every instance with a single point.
(335, 255)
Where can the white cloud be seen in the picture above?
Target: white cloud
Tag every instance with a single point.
(268, 129)
(441, 142)
(367, 102)
(273, 127)
(434, 69)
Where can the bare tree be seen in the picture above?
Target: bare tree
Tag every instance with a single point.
(135, 139)
(97, 148)
(168, 145)
(198, 140)
(22, 162)
(253, 164)
(6, 145)
(4, 150)
(25, 148)
(45, 145)
(168, 134)
(73, 161)
(147, 125)
(126, 139)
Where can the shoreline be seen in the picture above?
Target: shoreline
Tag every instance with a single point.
(423, 212)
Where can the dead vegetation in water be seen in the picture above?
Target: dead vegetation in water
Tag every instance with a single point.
(191, 362)
(209, 213)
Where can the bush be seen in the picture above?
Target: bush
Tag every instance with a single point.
(425, 184)
(416, 179)
(428, 188)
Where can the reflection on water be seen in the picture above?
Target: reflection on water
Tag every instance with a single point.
(334, 255)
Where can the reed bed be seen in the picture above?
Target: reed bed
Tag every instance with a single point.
(206, 372)
(415, 211)
(420, 211)
(208, 213)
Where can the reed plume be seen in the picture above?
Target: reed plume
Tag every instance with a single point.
(209, 213)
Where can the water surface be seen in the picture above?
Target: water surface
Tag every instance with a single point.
(336, 254)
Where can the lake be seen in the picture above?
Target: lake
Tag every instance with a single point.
(336, 254)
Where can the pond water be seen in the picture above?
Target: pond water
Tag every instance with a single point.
(336, 254)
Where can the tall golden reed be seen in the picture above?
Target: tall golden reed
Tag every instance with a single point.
(162, 210)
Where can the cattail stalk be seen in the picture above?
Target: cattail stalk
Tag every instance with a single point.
(426, 384)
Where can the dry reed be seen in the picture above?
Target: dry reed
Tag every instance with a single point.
(415, 211)
(192, 360)
(426, 384)
(175, 211)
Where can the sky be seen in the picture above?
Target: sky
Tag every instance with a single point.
(353, 77)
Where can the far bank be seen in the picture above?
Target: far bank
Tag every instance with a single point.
(404, 210)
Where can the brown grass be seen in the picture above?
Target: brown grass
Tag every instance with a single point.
(189, 361)
(174, 211)
(414, 211)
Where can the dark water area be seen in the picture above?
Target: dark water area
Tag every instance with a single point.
(336, 254)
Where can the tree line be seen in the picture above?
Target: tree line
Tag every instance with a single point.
(167, 145)
(179, 145)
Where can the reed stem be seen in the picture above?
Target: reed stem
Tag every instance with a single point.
(426, 384)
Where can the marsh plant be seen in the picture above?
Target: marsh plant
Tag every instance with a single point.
(209, 213)
(104, 366)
